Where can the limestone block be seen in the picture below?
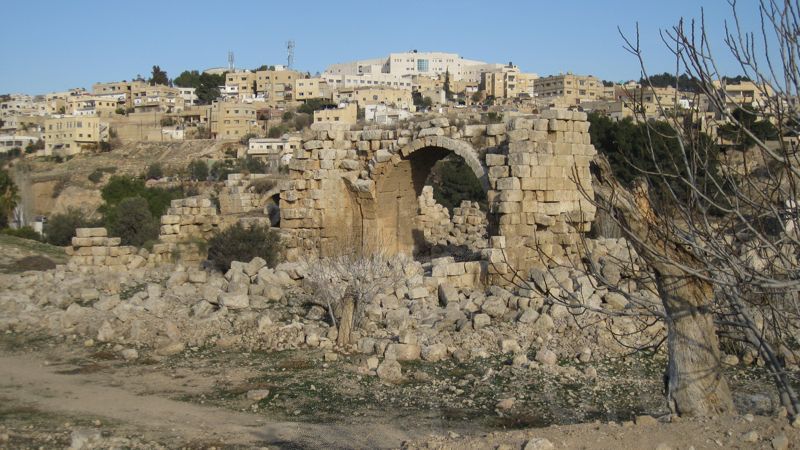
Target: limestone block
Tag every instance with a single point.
(81, 241)
(433, 131)
(91, 232)
(495, 129)
(313, 144)
(518, 135)
(520, 171)
(474, 130)
(508, 183)
(369, 135)
(495, 159)
(498, 171)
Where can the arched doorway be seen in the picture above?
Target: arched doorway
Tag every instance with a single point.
(398, 188)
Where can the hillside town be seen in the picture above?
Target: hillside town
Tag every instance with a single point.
(416, 251)
(251, 104)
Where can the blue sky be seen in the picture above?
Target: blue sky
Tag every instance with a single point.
(56, 45)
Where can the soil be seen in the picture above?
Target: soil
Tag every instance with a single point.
(18, 255)
(51, 387)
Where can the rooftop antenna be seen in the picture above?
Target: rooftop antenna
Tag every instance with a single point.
(289, 53)
(231, 65)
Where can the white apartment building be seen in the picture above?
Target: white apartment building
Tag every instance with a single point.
(188, 94)
(367, 80)
(415, 63)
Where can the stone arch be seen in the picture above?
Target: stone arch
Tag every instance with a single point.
(460, 148)
(399, 183)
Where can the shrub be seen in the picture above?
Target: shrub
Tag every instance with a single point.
(245, 140)
(302, 121)
(133, 222)
(198, 170)
(263, 185)
(277, 131)
(287, 116)
(96, 176)
(122, 187)
(167, 121)
(239, 243)
(106, 146)
(154, 172)
(60, 228)
(24, 233)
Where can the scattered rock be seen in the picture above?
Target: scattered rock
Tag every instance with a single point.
(435, 352)
(389, 371)
(257, 395)
(646, 420)
(539, 444)
(170, 349)
(750, 437)
(129, 354)
(505, 404)
(546, 357)
(780, 442)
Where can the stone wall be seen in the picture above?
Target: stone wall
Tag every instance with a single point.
(187, 218)
(361, 187)
(433, 219)
(239, 195)
(92, 249)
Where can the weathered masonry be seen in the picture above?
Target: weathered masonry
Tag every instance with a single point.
(360, 189)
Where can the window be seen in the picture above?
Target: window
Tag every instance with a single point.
(422, 65)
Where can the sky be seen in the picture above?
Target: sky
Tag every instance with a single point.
(56, 45)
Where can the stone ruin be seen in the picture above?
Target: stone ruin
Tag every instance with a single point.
(361, 188)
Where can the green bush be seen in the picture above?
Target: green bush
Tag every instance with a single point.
(238, 243)
(277, 131)
(24, 233)
(198, 170)
(154, 172)
(453, 181)
(133, 222)
(60, 228)
(96, 176)
(122, 187)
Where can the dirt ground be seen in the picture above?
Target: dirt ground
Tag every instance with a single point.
(53, 391)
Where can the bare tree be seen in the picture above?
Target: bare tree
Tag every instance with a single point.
(721, 241)
(347, 283)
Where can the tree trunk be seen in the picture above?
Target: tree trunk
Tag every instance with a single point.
(695, 384)
(346, 320)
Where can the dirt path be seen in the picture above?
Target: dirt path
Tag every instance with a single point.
(30, 381)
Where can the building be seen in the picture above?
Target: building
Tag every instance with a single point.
(568, 89)
(276, 151)
(508, 82)
(9, 142)
(368, 80)
(189, 96)
(94, 105)
(311, 88)
(119, 89)
(398, 98)
(345, 113)
(241, 83)
(276, 86)
(232, 120)
(744, 93)
(69, 135)
(413, 63)
(158, 98)
(385, 115)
